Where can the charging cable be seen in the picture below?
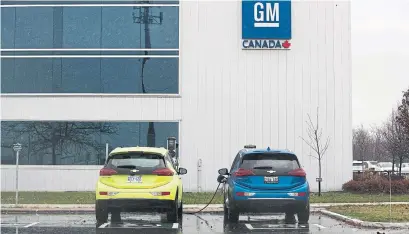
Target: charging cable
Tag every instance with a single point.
(207, 203)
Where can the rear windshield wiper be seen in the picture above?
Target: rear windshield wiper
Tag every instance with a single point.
(126, 166)
(262, 167)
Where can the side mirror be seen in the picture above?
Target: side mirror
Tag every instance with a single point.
(221, 179)
(223, 171)
(182, 171)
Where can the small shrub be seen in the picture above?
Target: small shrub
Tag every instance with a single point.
(377, 184)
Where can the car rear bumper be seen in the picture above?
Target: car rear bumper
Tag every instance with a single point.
(135, 205)
(273, 205)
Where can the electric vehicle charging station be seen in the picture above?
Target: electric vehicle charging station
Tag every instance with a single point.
(172, 145)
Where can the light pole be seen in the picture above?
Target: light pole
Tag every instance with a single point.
(144, 17)
(17, 148)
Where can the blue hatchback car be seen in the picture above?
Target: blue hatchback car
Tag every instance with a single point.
(265, 181)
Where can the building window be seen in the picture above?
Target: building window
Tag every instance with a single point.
(88, 47)
(89, 75)
(78, 143)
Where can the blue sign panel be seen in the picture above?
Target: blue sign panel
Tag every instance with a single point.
(265, 23)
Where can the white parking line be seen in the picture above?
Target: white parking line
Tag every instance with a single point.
(31, 224)
(175, 225)
(103, 225)
(277, 227)
(319, 226)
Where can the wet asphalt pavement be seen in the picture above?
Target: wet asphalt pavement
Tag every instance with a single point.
(155, 224)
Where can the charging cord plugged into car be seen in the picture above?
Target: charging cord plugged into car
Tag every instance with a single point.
(221, 179)
(214, 194)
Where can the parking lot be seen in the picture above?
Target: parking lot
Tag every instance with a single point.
(201, 223)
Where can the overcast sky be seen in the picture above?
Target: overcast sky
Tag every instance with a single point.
(380, 58)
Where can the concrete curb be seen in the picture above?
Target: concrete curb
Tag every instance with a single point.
(84, 209)
(90, 208)
(187, 206)
(360, 223)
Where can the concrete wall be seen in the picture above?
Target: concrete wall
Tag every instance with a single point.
(229, 97)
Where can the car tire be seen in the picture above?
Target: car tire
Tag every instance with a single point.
(180, 210)
(226, 212)
(172, 214)
(304, 215)
(232, 215)
(101, 212)
(116, 216)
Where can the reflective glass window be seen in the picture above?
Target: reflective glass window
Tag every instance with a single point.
(90, 27)
(89, 75)
(77, 143)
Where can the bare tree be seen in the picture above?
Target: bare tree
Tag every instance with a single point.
(402, 118)
(379, 144)
(403, 112)
(361, 139)
(395, 140)
(315, 143)
(59, 138)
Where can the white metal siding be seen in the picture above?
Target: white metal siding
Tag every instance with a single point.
(229, 97)
(49, 178)
(91, 107)
(233, 97)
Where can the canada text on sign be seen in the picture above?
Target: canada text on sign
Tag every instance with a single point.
(266, 24)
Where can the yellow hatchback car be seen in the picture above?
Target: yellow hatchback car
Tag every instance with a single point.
(139, 179)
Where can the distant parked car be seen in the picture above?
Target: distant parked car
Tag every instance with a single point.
(405, 168)
(372, 166)
(386, 166)
(357, 166)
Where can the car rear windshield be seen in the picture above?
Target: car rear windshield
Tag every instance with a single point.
(281, 163)
(136, 160)
(357, 164)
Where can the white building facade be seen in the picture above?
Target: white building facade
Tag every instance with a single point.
(75, 77)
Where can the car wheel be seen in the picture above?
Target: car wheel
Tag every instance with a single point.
(232, 215)
(180, 210)
(304, 215)
(226, 212)
(101, 212)
(116, 216)
(172, 214)
(289, 218)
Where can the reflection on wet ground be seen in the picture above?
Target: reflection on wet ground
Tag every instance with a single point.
(155, 224)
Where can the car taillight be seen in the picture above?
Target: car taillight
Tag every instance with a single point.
(243, 172)
(160, 193)
(163, 172)
(243, 194)
(302, 194)
(107, 172)
(297, 172)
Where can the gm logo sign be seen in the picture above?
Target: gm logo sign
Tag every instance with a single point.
(266, 15)
(266, 24)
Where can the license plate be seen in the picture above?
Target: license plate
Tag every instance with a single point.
(134, 179)
(271, 179)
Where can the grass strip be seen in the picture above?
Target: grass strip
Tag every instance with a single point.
(188, 198)
(375, 213)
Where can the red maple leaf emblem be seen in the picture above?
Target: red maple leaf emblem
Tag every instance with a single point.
(286, 44)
